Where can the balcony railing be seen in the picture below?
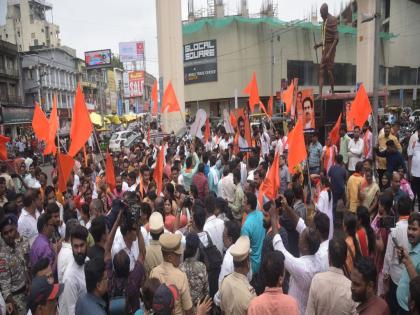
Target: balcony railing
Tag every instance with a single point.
(9, 72)
(10, 99)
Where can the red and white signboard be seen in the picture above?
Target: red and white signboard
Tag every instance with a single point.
(136, 83)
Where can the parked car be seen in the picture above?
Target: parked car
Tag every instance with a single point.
(415, 115)
(118, 139)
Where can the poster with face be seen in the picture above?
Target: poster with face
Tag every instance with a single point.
(294, 111)
(308, 110)
(349, 122)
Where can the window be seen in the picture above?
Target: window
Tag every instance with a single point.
(7, 36)
(42, 30)
(35, 42)
(32, 35)
(18, 33)
(402, 76)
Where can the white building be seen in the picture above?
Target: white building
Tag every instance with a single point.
(27, 25)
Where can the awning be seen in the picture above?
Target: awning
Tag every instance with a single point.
(114, 119)
(16, 115)
(96, 119)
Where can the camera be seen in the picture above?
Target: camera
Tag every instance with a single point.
(387, 222)
(188, 202)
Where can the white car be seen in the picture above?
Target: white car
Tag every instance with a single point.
(117, 140)
(415, 115)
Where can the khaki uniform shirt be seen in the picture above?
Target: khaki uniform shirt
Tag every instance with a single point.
(382, 146)
(153, 256)
(330, 294)
(235, 294)
(168, 274)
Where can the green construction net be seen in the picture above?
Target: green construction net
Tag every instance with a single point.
(190, 28)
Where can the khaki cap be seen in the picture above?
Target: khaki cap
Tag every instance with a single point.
(240, 250)
(156, 222)
(171, 243)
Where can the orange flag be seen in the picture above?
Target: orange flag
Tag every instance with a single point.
(252, 91)
(155, 99)
(158, 172)
(207, 131)
(40, 124)
(360, 108)
(65, 166)
(271, 183)
(109, 171)
(170, 101)
(287, 96)
(297, 149)
(335, 132)
(270, 107)
(232, 119)
(81, 126)
(3, 148)
(51, 148)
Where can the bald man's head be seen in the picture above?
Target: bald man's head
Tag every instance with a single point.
(324, 11)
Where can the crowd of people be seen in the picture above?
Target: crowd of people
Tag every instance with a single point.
(340, 237)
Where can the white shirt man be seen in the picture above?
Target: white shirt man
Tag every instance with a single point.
(265, 143)
(301, 271)
(215, 226)
(119, 244)
(74, 286)
(226, 188)
(413, 151)
(224, 144)
(355, 150)
(27, 225)
(392, 266)
(65, 257)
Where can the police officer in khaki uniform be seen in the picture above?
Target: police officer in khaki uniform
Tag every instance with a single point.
(14, 257)
(168, 272)
(235, 291)
(153, 250)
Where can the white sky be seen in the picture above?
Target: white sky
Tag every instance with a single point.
(100, 24)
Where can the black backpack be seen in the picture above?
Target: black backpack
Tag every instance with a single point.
(210, 255)
(212, 259)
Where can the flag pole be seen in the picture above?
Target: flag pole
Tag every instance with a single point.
(309, 177)
(97, 143)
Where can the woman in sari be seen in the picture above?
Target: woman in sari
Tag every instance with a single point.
(365, 234)
(369, 193)
(20, 168)
(353, 248)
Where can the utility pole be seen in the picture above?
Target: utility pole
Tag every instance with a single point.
(272, 64)
(376, 71)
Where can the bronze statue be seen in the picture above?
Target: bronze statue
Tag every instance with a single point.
(329, 42)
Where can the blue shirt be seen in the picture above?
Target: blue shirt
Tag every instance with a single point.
(403, 285)
(254, 229)
(89, 304)
(314, 154)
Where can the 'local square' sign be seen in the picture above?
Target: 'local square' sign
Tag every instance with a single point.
(200, 62)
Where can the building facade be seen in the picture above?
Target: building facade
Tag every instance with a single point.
(49, 73)
(14, 115)
(278, 51)
(27, 25)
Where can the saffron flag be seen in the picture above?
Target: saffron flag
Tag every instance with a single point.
(40, 124)
(360, 108)
(65, 166)
(207, 131)
(158, 172)
(335, 132)
(51, 148)
(270, 107)
(233, 119)
(3, 148)
(252, 91)
(155, 99)
(262, 107)
(170, 101)
(287, 96)
(81, 125)
(271, 183)
(109, 171)
(297, 149)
